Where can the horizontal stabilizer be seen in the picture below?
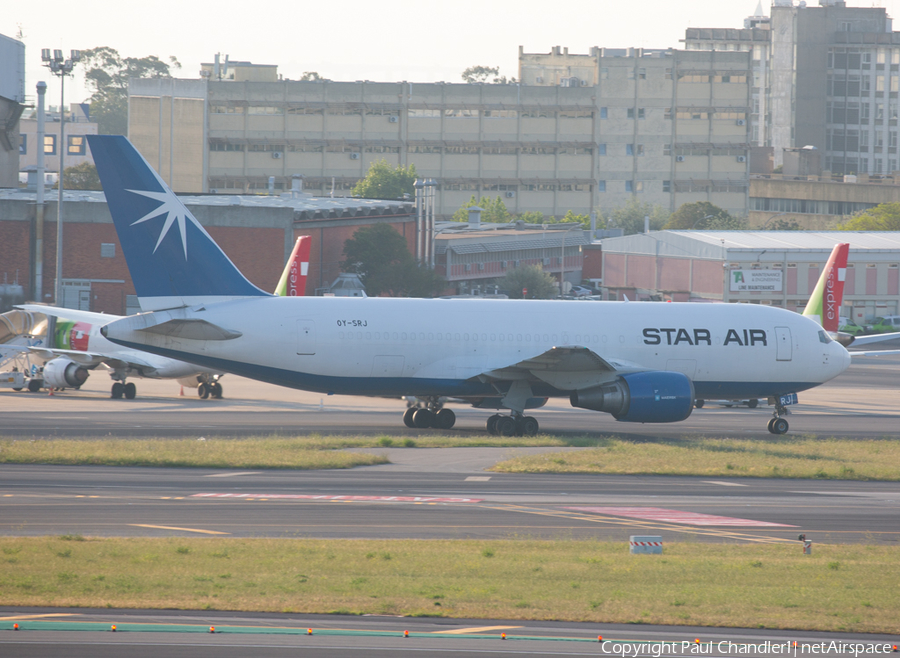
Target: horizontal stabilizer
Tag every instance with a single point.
(192, 329)
(874, 338)
(71, 313)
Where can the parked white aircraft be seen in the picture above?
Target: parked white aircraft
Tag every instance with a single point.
(78, 347)
(639, 362)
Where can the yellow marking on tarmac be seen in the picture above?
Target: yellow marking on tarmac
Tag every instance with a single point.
(7, 495)
(166, 527)
(481, 629)
(54, 614)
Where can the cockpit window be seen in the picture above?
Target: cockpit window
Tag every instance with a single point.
(824, 337)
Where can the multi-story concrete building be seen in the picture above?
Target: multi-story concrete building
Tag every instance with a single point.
(78, 124)
(666, 125)
(824, 76)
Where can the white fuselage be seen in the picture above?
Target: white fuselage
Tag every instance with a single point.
(382, 346)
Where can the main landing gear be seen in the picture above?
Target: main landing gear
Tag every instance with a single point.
(121, 389)
(514, 425)
(777, 424)
(214, 388)
(431, 415)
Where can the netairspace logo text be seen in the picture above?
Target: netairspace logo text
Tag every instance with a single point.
(726, 647)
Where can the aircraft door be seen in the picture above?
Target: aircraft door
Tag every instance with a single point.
(782, 344)
(306, 337)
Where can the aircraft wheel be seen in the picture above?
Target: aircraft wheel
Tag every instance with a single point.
(34, 385)
(423, 418)
(216, 389)
(699, 403)
(492, 424)
(17, 388)
(506, 426)
(779, 426)
(408, 417)
(118, 390)
(753, 403)
(130, 390)
(203, 391)
(444, 419)
(769, 425)
(529, 426)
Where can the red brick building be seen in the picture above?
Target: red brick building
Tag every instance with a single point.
(256, 232)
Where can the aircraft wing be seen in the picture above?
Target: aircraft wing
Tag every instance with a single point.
(93, 359)
(71, 313)
(874, 353)
(565, 368)
(874, 338)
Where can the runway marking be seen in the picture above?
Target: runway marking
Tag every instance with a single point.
(481, 629)
(52, 614)
(725, 484)
(390, 499)
(231, 475)
(646, 525)
(478, 478)
(675, 516)
(166, 527)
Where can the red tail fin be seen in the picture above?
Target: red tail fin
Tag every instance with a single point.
(293, 279)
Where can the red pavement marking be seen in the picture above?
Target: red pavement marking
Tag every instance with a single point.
(389, 499)
(675, 516)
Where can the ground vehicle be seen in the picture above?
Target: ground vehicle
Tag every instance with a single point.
(885, 324)
(848, 326)
(580, 291)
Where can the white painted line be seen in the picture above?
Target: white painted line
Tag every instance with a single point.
(725, 484)
(386, 499)
(478, 478)
(231, 475)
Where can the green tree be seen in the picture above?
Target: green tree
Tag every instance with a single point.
(493, 211)
(785, 225)
(699, 215)
(379, 255)
(532, 279)
(883, 217)
(631, 216)
(107, 74)
(476, 74)
(311, 76)
(386, 182)
(81, 177)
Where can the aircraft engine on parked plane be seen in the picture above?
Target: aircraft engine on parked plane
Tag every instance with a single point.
(62, 372)
(641, 397)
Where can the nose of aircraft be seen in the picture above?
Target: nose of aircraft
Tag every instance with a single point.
(838, 360)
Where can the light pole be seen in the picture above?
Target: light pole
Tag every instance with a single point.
(61, 67)
(771, 218)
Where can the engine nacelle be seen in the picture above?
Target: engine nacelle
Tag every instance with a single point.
(641, 397)
(62, 372)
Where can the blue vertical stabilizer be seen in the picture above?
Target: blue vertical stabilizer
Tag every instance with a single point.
(172, 259)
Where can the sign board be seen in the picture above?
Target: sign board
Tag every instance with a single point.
(755, 280)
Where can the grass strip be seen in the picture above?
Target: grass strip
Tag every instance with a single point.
(848, 588)
(254, 453)
(807, 457)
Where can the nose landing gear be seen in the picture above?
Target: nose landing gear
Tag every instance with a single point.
(777, 424)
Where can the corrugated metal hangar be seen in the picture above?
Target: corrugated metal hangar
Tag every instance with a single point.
(777, 268)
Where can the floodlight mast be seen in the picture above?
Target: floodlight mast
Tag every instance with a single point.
(60, 66)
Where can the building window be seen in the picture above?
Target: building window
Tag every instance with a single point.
(602, 112)
(107, 250)
(629, 149)
(601, 186)
(49, 144)
(642, 74)
(220, 146)
(23, 144)
(77, 145)
(629, 186)
(667, 186)
(601, 149)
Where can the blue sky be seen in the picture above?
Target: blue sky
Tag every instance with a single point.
(356, 40)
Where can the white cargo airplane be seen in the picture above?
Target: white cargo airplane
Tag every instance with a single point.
(644, 363)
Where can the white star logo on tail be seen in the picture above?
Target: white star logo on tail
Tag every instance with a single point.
(174, 211)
